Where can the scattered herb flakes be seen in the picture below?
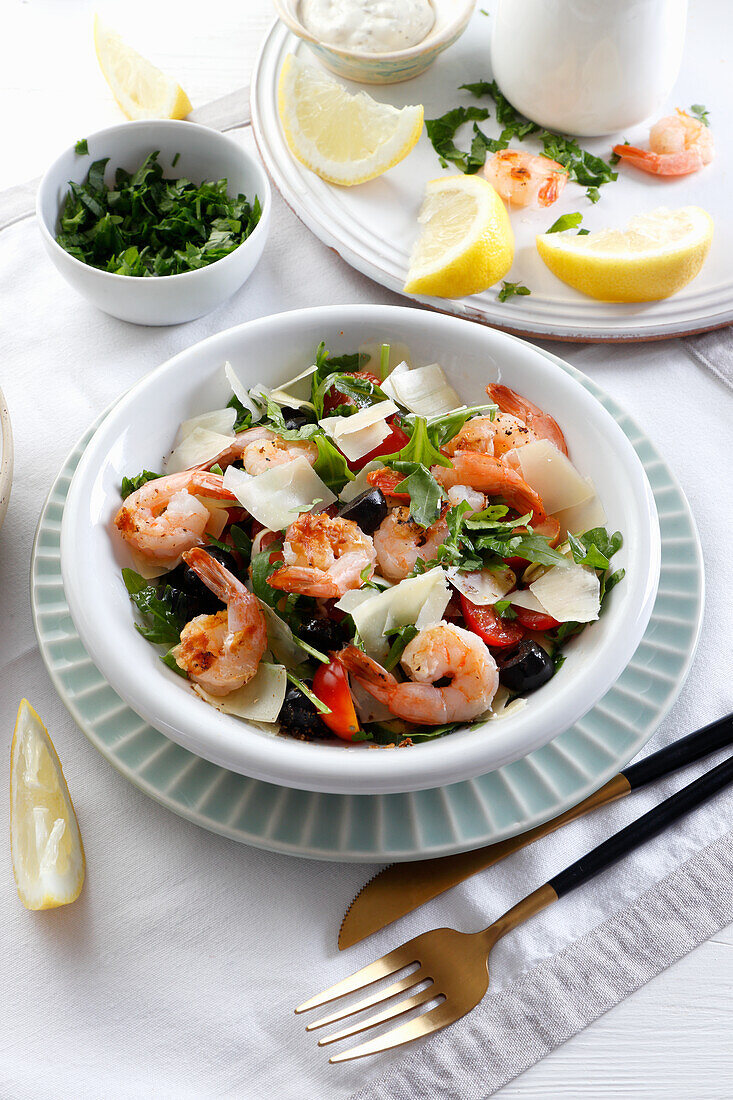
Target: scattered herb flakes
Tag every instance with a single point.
(508, 290)
(81, 147)
(442, 131)
(148, 225)
(565, 221)
(592, 194)
(701, 113)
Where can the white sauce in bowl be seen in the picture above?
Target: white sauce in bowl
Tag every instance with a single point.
(369, 26)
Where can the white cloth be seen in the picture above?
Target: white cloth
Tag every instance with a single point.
(175, 973)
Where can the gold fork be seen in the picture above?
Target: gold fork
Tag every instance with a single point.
(455, 964)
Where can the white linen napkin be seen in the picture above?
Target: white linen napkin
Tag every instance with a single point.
(176, 972)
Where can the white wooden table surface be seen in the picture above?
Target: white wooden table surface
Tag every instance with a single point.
(671, 1039)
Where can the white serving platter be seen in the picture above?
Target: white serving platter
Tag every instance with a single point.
(373, 226)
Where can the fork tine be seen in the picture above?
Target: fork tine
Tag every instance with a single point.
(438, 1017)
(398, 1009)
(375, 999)
(380, 968)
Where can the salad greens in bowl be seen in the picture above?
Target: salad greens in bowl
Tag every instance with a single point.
(360, 527)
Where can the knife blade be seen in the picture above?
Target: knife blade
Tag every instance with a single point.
(402, 887)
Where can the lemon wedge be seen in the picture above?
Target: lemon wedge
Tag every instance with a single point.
(654, 257)
(343, 138)
(466, 244)
(141, 90)
(45, 842)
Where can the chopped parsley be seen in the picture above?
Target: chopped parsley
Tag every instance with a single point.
(701, 113)
(81, 147)
(508, 290)
(131, 484)
(148, 225)
(565, 221)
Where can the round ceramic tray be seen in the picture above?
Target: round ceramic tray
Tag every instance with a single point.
(387, 828)
(373, 226)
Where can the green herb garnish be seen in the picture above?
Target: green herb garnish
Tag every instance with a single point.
(147, 224)
(701, 113)
(442, 131)
(565, 221)
(81, 147)
(508, 290)
(320, 707)
(131, 484)
(162, 622)
(402, 638)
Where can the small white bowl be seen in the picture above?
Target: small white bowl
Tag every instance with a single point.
(204, 155)
(6, 458)
(451, 20)
(140, 429)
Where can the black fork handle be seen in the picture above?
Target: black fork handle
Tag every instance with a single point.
(644, 828)
(717, 735)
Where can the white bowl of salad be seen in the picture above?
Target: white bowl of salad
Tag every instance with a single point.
(342, 529)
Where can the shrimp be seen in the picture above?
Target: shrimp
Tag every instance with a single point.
(324, 557)
(439, 651)
(163, 518)
(399, 542)
(678, 145)
(260, 449)
(490, 437)
(495, 478)
(222, 652)
(541, 424)
(521, 178)
(459, 494)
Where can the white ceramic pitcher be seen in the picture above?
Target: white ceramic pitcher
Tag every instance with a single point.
(587, 67)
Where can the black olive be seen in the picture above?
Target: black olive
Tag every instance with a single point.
(299, 717)
(200, 599)
(367, 510)
(294, 418)
(323, 634)
(525, 668)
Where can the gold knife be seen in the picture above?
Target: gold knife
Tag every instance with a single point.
(402, 887)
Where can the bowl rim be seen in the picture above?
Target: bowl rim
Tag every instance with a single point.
(428, 43)
(6, 456)
(145, 123)
(289, 762)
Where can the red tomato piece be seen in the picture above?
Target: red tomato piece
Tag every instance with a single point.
(489, 626)
(331, 686)
(387, 481)
(534, 620)
(395, 441)
(333, 397)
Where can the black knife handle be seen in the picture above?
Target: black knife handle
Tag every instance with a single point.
(687, 750)
(643, 829)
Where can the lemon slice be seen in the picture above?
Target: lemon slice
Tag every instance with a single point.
(466, 244)
(45, 842)
(654, 257)
(343, 138)
(141, 90)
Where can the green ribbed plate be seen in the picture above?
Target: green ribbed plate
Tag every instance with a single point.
(386, 828)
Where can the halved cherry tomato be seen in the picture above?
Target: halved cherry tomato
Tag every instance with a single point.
(387, 480)
(395, 441)
(534, 620)
(331, 685)
(489, 626)
(333, 397)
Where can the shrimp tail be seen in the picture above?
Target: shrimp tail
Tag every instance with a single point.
(541, 423)
(205, 483)
(304, 578)
(661, 164)
(375, 679)
(550, 190)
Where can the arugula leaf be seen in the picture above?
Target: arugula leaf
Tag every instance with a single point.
(508, 290)
(169, 660)
(320, 707)
(131, 484)
(426, 495)
(162, 624)
(362, 392)
(593, 195)
(533, 547)
(504, 609)
(148, 225)
(701, 113)
(384, 361)
(240, 542)
(587, 550)
(420, 448)
(441, 132)
(81, 147)
(261, 568)
(402, 638)
(565, 221)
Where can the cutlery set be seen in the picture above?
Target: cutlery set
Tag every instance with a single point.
(452, 966)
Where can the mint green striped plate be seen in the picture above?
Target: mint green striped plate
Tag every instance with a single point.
(386, 828)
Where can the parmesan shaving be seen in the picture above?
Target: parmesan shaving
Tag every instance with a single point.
(581, 517)
(551, 474)
(418, 601)
(570, 593)
(357, 435)
(483, 587)
(219, 420)
(360, 484)
(241, 392)
(279, 495)
(259, 700)
(425, 390)
(198, 447)
(280, 639)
